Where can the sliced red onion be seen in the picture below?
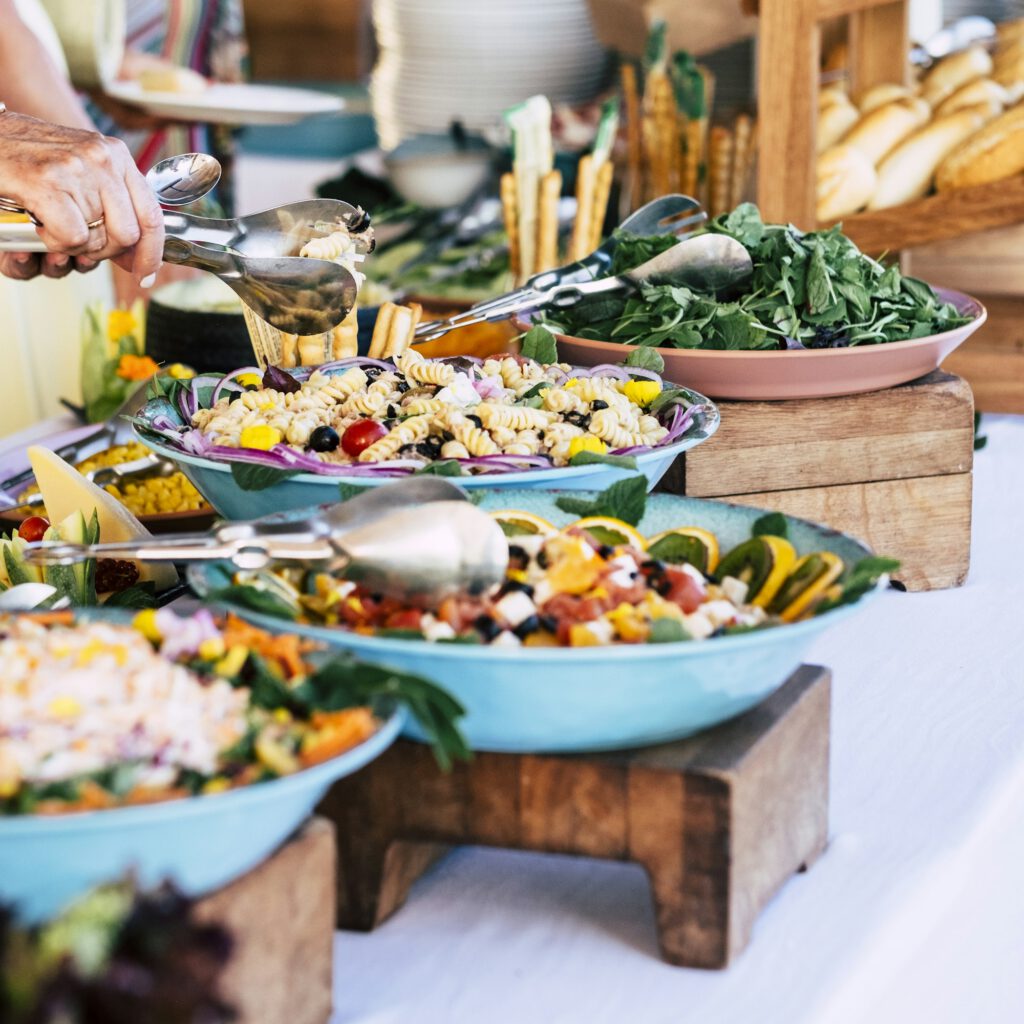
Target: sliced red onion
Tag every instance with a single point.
(350, 361)
(639, 371)
(602, 370)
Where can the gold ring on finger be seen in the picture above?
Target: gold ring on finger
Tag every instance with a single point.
(98, 222)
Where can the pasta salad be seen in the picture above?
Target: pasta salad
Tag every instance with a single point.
(396, 416)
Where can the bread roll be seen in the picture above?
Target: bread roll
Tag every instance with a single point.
(981, 90)
(834, 121)
(887, 126)
(846, 181)
(908, 171)
(1008, 67)
(991, 154)
(879, 95)
(834, 92)
(955, 70)
(1008, 32)
(172, 79)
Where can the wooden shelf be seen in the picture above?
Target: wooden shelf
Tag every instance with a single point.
(939, 217)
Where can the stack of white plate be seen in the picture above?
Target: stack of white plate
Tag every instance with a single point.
(468, 60)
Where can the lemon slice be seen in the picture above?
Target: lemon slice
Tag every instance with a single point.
(697, 546)
(809, 579)
(763, 563)
(516, 523)
(608, 530)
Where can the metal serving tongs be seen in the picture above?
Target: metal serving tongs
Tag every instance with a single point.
(711, 262)
(673, 214)
(420, 539)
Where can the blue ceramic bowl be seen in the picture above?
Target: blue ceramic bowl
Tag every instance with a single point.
(543, 699)
(200, 842)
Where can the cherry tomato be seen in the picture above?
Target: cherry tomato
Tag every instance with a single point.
(684, 590)
(33, 528)
(361, 435)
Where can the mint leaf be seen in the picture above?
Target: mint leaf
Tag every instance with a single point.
(773, 524)
(539, 344)
(646, 359)
(446, 467)
(346, 491)
(667, 631)
(250, 477)
(596, 458)
(624, 499)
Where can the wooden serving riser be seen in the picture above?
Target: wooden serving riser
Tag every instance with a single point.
(281, 920)
(719, 821)
(892, 468)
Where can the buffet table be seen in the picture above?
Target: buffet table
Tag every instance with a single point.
(915, 912)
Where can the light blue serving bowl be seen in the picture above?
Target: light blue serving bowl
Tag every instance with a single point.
(200, 842)
(550, 700)
(213, 478)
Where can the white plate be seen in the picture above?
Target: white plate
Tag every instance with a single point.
(224, 103)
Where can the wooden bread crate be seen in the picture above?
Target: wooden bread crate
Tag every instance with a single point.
(281, 920)
(892, 468)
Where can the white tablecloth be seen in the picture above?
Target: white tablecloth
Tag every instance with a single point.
(914, 913)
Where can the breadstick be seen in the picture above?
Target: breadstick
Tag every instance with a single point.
(582, 229)
(632, 98)
(400, 328)
(547, 220)
(511, 217)
(289, 350)
(720, 159)
(381, 330)
(601, 193)
(345, 337)
(741, 143)
(751, 156)
(399, 344)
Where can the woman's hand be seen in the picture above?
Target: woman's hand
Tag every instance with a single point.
(91, 200)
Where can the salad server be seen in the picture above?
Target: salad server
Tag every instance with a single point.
(673, 214)
(176, 181)
(707, 262)
(419, 540)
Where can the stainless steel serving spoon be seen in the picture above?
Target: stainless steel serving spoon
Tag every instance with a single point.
(419, 540)
(709, 262)
(176, 181)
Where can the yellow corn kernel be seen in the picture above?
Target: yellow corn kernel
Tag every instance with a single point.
(217, 785)
(145, 623)
(580, 635)
(519, 575)
(231, 664)
(643, 392)
(587, 443)
(211, 649)
(261, 437)
(64, 707)
(273, 756)
(282, 715)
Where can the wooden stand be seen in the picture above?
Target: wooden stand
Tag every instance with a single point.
(890, 467)
(281, 919)
(719, 821)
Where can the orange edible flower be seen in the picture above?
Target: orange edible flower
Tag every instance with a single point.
(136, 367)
(120, 324)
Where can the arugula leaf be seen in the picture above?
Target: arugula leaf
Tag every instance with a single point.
(859, 580)
(539, 344)
(250, 477)
(446, 467)
(646, 359)
(772, 524)
(667, 631)
(598, 458)
(624, 499)
(139, 595)
(255, 600)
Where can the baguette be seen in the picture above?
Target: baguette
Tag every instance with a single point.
(885, 127)
(834, 121)
(954, 71)
(1008, 67)
(846, 181)
(879, 95)
(834, 92)
(909, 170)
(993, 153)
(981, 90)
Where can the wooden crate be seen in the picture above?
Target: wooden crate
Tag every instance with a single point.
(890, 467)
(281, 920)
(719, 821)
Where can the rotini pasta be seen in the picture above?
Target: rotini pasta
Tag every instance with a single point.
(430, 409)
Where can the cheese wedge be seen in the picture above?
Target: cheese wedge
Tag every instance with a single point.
(65, 490)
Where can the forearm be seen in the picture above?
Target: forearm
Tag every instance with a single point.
(30, 82)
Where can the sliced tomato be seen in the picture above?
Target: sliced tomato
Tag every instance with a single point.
(684, 590)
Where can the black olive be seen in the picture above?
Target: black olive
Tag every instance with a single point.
(606, 551)
(549, 623)
(402, 386)
(578, 419)
(324, 439)
(663, 587)
(594, 406)
(517, 555)
(392, 412)
(653, 565)
(542, 559)
(529, 625)
(372, 372)
(486, 627)
(429, 448)
(512, 586)
(476, 419)
(390, 423)
(447, 436)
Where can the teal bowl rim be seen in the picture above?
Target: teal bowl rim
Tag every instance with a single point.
(373, 646)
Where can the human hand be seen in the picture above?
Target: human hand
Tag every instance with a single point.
(23, 266)
(91, 200)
